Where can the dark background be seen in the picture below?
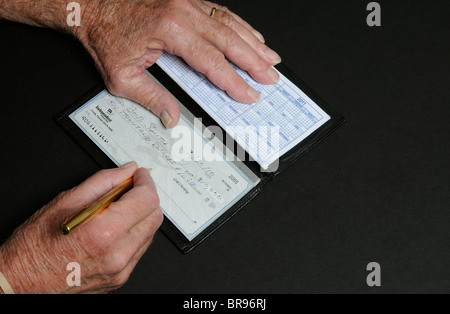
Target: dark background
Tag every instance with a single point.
(376, 190)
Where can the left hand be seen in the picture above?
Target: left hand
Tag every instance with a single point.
(126, 37)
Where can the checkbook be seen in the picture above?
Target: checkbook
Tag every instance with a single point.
(221, 154)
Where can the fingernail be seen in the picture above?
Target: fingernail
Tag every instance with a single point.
(166, 119)
(273, 56)
(253, 93)
(273, 74)
(128, 164)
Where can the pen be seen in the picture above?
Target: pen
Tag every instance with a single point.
(97, 207)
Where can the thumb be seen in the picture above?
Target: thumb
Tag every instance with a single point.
(148, 93)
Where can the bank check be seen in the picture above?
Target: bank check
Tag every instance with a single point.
(192, 192)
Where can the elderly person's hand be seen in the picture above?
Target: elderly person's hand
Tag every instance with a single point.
(35, 258)
(126, 37)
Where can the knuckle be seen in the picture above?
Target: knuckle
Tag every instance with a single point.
(103, 172)
(115, 87)
(217, 62)
(223, 8)
(120, 279)
(147, 197)
(152, 102)
(167, 18)
(115, 263)
(231, 38)
(116, 83)
(158, 216)
(103, 240)
(183, 3)
(151, 223)
(227, 19)
(171, 19)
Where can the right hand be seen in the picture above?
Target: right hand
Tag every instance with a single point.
(35, 257)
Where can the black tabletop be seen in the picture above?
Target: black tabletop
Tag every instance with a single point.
(376, 190)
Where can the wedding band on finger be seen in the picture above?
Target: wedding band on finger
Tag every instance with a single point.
(213, 12)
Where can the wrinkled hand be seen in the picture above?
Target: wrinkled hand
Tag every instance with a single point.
(34, 259)
(126, 37)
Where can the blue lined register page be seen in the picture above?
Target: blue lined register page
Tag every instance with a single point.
(283, 117)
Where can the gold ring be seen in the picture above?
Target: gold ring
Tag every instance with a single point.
(213, 12)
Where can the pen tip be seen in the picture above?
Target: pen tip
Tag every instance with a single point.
(64, 229)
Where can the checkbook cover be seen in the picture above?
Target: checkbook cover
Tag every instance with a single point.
(184, 244)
